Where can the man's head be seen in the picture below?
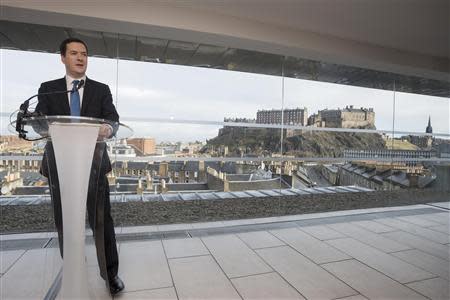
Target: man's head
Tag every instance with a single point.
(74, 56)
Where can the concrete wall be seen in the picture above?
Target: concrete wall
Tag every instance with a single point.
(40, 217)
(186, 186)
(215, 183)
(254, 185)
(442, 182)
(330, 175)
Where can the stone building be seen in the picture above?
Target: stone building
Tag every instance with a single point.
(409, 157)
(257, 180)
(239, 120)
(19, 162)
(143, 146)
(384, 177)
(10, 182)
(316, 120)
(349, 117)
(172, 171)
(422, 141)
(294, 116)
(443, 150)
(120, 149)
(12, 143)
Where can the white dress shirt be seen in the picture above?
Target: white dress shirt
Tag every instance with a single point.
(69, 82)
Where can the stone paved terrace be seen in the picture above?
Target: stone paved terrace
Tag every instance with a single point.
(379, 253)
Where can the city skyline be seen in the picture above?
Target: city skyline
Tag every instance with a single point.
(161, 91)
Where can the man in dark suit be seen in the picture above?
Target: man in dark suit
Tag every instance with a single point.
(94, 100)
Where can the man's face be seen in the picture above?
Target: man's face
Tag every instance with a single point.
(75, 59)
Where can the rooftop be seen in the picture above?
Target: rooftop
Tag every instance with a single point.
(181, 192)
(389, 253)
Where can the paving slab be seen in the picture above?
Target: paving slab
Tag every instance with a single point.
(441, 228)
(316, 250)
(184, 247)
(417, 220)
(32, 275)
(322, 232)
(8, 258)
(234, 256)
(201, 278)
(155, 294)
(367, 237)
(436, 249)
(143, 266)
(442, 217)
(385, 263)
(426, 233)
(428, 262)
(374, 226)
(260, 239)
(445, 205)
(312, 281)
(436, 288)
(369, 282)
(356, 297)
(265, 286)
(91, 255)
(147, 275)
(97, 286)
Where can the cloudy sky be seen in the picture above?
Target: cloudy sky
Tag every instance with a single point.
(151, 90)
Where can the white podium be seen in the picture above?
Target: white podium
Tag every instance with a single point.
(74, 141)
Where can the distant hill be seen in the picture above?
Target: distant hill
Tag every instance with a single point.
(265, 141)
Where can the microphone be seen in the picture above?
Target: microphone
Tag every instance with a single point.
(80, 85)
(24, 113)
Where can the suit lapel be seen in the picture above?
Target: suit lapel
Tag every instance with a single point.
(87, 96)
(64, 103)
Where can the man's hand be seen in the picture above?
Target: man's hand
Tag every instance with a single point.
(105, 132)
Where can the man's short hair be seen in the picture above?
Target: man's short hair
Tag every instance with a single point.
(63, 46)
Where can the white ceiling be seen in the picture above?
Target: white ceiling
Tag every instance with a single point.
(410, 37)
(419, 26)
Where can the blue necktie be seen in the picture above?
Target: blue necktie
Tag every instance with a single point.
(75, 100)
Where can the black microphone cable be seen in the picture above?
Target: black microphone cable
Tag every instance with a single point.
(23, 113)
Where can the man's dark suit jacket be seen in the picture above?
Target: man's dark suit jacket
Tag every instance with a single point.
(96, 103)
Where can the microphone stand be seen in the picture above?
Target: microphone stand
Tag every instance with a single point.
(25, 114)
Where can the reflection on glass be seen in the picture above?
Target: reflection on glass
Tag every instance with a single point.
(196, 177)
(173, 92)
(21, 182)
(245, 142)
(203, 133)
(421, 113)
(179, 163)
(329, 105)
(323, 144)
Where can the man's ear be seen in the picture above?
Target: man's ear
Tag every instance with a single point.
(63, 59)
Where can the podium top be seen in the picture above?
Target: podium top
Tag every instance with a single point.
(38, 127)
